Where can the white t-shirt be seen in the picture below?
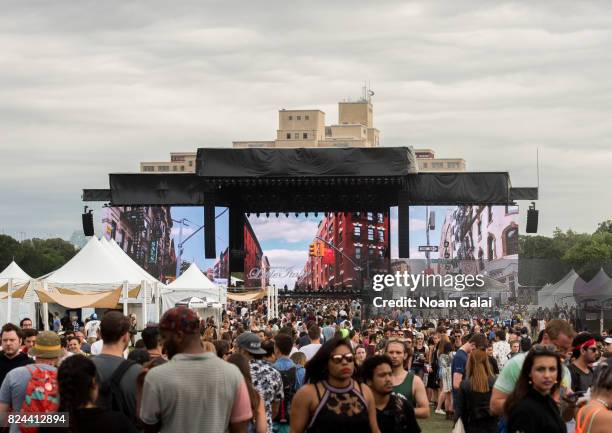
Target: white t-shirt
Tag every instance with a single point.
(310, 350)
(91, 328)
(96, 349)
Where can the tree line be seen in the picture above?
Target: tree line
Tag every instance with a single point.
(546, 259)
(36, 257)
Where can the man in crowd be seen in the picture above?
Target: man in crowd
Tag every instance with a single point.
(91, 328)
(111, 365)
(152, 341)
(394, 413)
(558, 333)
(585, 353)
(47, 351)
(459, 364)
(29, 338)
(314, 334)
(25, 323)
(405, 382)
(196, 391)
(292, 376)
(501, 348)
(11, 356)
(266, 379)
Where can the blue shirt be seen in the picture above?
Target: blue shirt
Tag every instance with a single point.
(459, 362)
(285, 363)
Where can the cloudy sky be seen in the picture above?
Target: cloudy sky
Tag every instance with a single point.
(88, 88)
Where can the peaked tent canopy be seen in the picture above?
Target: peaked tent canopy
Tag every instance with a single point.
(194, 283)
(94, 265)
(597, 290)
(192, 278)
(562, 292)
(14, 272)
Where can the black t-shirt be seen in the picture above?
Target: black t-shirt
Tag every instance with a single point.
(96, 420)
(7, 364)
(581, 381)
(398, 416)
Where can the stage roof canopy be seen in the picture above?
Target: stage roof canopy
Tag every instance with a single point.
(308, 179)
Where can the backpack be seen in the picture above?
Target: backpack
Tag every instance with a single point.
(41, 396)
(289, 378)
(110, 393)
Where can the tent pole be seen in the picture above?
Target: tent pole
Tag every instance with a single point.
(46, 309)
(125, 298)
(276, 300)
(157, 290)
(145, 319)
(9, 300)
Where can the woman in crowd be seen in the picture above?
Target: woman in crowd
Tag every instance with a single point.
(474, 395)
(78, 389)
(530, 408)
(360, 355)
(259, 422)
(419, 355)
(432, 361)
(332, 400)
(444, 359)
(596, 416)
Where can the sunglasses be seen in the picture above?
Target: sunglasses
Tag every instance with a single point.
(545, 348)
(594, 349)
(337, 359)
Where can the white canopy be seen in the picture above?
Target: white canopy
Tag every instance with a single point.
(192, 283)
(14, 272)
(544, 294)
(192, 278)
(94, 265)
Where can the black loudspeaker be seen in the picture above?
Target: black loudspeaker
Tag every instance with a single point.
(532, 221)
(403, 229)
(209, 228)
(88, 226)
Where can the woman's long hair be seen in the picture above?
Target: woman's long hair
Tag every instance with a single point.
(242, 363)
(523, 384)
(75, 379)
(316, 368)
(479, 371)
(443, 343)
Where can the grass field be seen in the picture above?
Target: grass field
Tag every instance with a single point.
(436, 424)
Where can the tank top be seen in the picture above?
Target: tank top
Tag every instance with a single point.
(405, 388)
(340, 409)
(585, 418)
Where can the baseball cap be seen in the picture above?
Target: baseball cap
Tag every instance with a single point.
(608, 340)
(250, 342)
(180, 319)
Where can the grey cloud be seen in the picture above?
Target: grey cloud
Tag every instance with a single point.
(89, 88)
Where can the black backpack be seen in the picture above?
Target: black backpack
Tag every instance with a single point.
(289, 377)
(110, 394)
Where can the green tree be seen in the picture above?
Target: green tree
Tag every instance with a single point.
(604, 227)
(36, 257)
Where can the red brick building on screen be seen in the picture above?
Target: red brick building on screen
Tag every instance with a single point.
(363, 237)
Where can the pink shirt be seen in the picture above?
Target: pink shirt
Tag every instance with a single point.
(241, 411)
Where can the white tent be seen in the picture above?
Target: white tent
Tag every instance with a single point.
(192, 283)
(15, 309)
(95, 268)
(14, 272)
(194, 280)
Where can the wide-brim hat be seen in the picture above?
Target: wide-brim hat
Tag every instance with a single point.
(48, 345)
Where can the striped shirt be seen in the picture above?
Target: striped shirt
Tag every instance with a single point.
(195, 393)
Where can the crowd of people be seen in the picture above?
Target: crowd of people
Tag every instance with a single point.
(319, 367)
